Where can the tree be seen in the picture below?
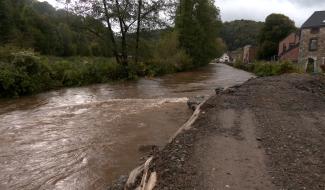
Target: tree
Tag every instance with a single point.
(276, 28)
(122, 18)
(138, 31)
(38, 25)
(5, 21)
(239, 33)
(198, 23)
(66, 41)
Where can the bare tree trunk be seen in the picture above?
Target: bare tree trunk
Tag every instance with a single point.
(111, 33)
(123, 33)
(124, 50)
(138, 32)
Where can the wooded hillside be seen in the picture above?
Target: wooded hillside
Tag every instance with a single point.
(39, 26)
(239, 33)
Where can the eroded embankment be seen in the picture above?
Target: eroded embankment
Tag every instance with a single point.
(268, 133)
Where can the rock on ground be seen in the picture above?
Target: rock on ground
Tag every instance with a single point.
(267, 134)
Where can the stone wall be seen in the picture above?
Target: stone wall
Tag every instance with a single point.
(293, 38)
(305, 53)
(291, 55)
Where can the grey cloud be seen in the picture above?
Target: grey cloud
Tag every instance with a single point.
(309, 3)
(297, 10)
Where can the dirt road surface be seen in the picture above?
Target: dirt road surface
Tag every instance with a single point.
(267, 134)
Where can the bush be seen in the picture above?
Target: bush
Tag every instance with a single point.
(240, 65)
(168, 57)
(76, 71)
(24, 72)
(263, 69)
(270, 69)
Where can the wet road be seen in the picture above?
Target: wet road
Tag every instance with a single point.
(83, 138)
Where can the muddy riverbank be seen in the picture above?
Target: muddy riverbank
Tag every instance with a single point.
(267, 134)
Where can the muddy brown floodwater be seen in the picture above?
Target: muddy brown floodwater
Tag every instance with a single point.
(83, 138)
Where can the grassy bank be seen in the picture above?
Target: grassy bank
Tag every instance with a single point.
(24, 72)
(263, 69)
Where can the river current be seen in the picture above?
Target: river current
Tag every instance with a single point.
(83, 138)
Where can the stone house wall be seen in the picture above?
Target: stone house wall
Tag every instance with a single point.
(293, 39)
(291, 55)
(304, 52)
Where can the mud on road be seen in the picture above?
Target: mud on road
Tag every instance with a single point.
(267, 134)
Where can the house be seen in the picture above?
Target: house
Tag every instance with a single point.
(224, 58)
(312, 43)
(289, 47)
(249, 54)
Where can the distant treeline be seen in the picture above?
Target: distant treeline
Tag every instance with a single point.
(264, 35)
(239, 33)
(37, 25)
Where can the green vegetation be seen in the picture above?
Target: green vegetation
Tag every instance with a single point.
(239, 33)
(266, 36)
(263, 69)
(276, 28)
(42, 48)
(168, 57)
(37, 25)
(25, 72)
(198, 23)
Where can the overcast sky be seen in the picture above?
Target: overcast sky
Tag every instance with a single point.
(298, 10)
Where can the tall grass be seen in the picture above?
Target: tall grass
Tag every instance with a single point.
(25, 72)
(264, 69)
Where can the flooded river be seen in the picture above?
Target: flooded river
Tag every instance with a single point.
(83, 138)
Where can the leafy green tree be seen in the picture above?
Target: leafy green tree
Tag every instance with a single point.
(198, 23)
(123, 18)
(276, 28)
(39, 26)
(239, 33)
(66, 39)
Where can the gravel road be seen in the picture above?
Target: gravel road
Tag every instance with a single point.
(267, 134)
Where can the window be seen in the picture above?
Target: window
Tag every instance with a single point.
(314, 30)
(313, 43)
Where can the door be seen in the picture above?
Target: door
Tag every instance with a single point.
(310, 65)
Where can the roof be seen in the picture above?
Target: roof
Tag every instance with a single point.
(316, 20)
